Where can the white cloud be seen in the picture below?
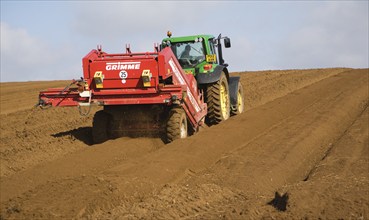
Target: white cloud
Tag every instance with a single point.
(140, 23)
(19, 50)
(335, 34)
(24, 57)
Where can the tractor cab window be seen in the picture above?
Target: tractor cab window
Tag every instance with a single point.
(211, 46)
(189, 54)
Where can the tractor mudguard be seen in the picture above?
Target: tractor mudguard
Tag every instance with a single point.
(212, 77)
(233, 89)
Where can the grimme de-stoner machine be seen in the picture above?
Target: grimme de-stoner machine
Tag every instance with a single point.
(172, 91)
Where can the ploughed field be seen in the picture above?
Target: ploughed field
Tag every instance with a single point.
(300, 150)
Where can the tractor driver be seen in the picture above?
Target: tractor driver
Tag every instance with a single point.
(186, 52)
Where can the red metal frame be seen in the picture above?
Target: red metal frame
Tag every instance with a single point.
(123, 85)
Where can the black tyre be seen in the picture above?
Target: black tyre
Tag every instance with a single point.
(100, 127)
(240, 107)
(217, 99)
(176, 125)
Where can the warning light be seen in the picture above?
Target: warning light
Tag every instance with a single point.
(99, 78)
(146, 78)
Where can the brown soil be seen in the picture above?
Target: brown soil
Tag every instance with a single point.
(299, 151)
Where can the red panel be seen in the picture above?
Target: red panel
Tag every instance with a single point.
(194, 103)
(125, 73)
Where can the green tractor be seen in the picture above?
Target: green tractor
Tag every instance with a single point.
(201, 55)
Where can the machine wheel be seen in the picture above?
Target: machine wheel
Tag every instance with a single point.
(217, 99)
(100, 126)
(240, 101)
(176, 125)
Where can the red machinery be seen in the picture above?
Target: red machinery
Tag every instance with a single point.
(139, 91)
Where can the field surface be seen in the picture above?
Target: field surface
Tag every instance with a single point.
(300, 151)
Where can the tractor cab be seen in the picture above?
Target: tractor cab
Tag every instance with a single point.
(202, 57)
(197, 54)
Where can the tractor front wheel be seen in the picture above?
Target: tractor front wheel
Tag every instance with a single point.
(176, 125)
(217, 99)
(100, 126)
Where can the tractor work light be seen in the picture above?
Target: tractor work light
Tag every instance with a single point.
(99, 78)
(146, 78)
(198, 39)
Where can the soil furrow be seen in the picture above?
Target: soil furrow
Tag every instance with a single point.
(283, 155)
(50, 170)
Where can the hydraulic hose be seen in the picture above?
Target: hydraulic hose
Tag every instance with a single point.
(41, 103)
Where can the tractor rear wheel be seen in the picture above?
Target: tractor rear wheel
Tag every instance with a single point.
(176, 125)
(217, 99)
(240, 107)
(100, 127)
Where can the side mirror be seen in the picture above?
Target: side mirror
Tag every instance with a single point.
(227, 42)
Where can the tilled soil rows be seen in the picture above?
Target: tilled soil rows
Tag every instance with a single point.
(299, 151)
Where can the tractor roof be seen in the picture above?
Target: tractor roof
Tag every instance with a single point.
(187, 38)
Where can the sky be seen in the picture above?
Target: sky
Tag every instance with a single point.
(46, 40)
